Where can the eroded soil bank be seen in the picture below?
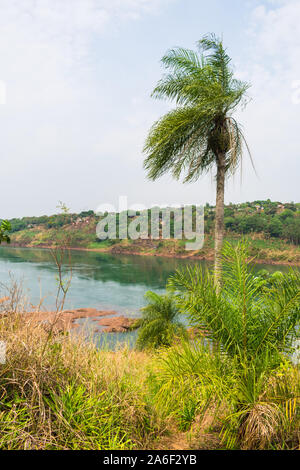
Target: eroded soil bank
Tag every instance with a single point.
(106, 321)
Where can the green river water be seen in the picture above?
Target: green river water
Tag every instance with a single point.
(102, 281)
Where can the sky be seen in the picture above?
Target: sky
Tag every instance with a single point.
(75, 106)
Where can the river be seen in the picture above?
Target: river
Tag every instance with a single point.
(100, 280)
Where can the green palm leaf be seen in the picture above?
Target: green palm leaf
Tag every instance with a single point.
(248, 319)
(160, 323)
(200, 132)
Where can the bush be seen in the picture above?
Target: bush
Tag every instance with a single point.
(275, 227)
(292, 231)
(5, 228)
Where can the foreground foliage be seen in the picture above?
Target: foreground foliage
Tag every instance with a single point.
(61, 393)
(251, 319)
(209, 394)
(75, 397)
(234, 385)
(253, 323)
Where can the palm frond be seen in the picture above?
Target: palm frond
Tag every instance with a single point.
(187, 140)
(177, 141)
(160, 322)
(247, 318)
(182, 60)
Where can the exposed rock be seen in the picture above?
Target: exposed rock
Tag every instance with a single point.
(65, 320)
(116, 324)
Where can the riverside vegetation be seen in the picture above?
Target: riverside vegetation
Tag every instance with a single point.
(228, 376)
(233, 385)
(272, 228)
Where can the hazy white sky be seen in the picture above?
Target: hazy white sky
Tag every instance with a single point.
(79, 74)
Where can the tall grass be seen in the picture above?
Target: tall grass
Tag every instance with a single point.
(204, 391)
(74, 396)
(71, 396)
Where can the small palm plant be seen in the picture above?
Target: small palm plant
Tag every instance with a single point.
(160, 324)
(250, 319)
(255, 324)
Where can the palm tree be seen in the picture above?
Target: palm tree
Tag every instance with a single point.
(200, 132)
(160, 323)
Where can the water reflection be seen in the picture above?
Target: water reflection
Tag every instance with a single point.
(100, 280)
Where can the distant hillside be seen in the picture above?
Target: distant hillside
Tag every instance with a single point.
(273, 229)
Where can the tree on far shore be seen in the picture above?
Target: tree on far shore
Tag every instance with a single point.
(5, 227)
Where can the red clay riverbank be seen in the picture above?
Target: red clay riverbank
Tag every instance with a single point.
(191, 255)
(65, 320)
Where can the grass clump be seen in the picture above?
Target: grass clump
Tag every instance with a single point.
(69, 395)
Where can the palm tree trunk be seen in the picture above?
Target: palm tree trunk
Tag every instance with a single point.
(219, 218)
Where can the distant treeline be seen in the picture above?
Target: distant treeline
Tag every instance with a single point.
(272, 219)
(52, 221)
